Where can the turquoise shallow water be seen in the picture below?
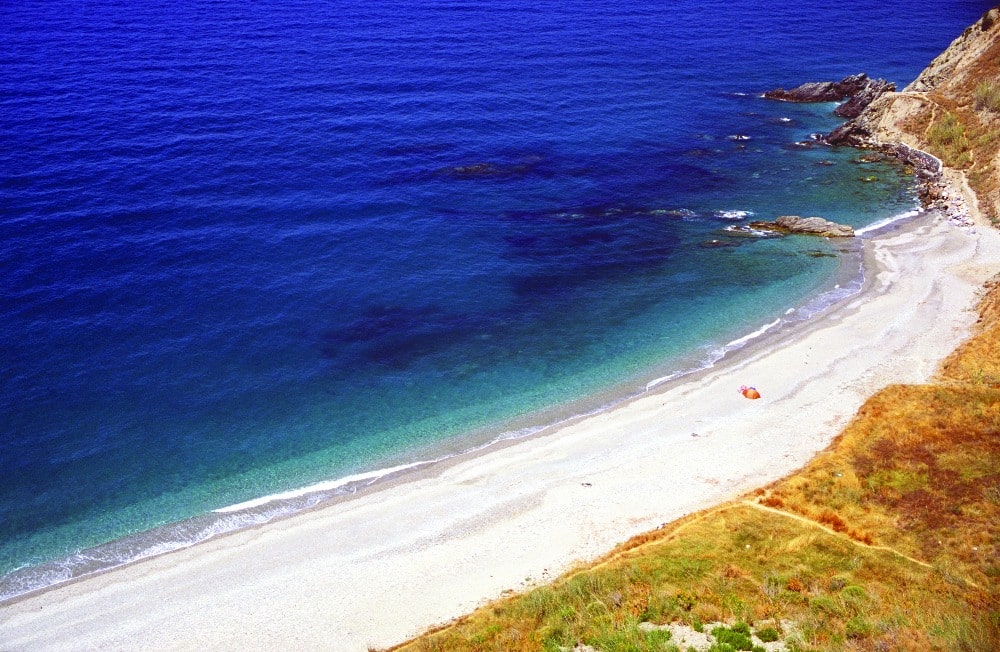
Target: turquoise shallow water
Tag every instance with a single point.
(250, 249)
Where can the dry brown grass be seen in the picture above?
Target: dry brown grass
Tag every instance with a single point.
(889, 540)
(977, 361)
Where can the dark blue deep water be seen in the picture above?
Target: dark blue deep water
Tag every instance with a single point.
(249, 247)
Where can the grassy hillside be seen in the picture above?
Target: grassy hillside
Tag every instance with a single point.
(889, 540)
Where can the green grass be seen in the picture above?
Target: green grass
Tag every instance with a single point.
(987, 96)
(949, 141)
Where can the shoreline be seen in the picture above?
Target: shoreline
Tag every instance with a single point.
(434, 543)
(845, 283)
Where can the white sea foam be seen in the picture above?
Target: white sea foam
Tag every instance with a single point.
(732, 214)
(327, 486)
(119, 552)
(827, 299)
(709, 361)
(716, 354)
(659, 381)
(886, 222)
(741, 341)
(747, 231)
(801, 313)
(683, 213)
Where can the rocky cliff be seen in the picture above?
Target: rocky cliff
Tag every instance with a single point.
(951, 110)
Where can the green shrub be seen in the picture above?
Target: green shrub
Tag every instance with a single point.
(987, 96)
(824, 605)
(721, 647)
(733, 638)
(854, 592)
(949, 141)
(768, 634)
(858, 627)
(657, 638)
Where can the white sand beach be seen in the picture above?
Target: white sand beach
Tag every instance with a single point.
(377, 569)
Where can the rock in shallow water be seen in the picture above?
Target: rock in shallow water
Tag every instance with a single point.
(860, 91)
(806, 226)
(821, 91)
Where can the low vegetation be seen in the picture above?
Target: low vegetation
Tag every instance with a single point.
(947, 138)
(889, 540)
(987, 96)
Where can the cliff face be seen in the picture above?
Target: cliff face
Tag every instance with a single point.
(951, 68)
(952, 110)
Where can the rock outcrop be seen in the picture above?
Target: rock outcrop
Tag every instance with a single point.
(871, 91)
(859, 91)
(806, 226)
(821, 91)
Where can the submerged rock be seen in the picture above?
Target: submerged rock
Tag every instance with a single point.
(487, 169)
(476, 170)
(718, 244)
(806, 226)
(741, 231)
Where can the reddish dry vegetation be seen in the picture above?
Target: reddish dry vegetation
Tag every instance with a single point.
(919, 471)
(919, 468)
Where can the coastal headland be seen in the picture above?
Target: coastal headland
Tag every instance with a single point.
(386, 565)
(887, 539)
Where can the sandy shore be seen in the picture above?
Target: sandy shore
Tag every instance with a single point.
(382, 567)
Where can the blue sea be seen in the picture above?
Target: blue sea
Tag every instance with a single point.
(278, 248)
